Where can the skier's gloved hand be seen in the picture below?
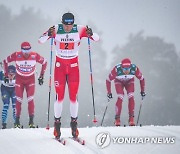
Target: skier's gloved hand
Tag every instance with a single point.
(51, 31)
(89, 32)
(41, 80)
(6, 79)
(143, 94)
(109, 96)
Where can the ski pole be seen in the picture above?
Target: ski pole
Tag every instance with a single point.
(139, 111)
(105, 112)
(91, 79)
(1, 65)
(50, 76)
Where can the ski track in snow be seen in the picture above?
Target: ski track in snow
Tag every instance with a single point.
(40, 140)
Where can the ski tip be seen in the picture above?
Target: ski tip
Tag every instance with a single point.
(63, 142)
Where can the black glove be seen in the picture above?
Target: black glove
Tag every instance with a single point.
(109, 96)
(41, 80)
(89, 32)
(51, 31)
(6, 79)
(143, 94)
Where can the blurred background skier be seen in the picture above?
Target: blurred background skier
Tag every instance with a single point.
(67, 36)
(8, 94)
(123, 76)
(25, 61)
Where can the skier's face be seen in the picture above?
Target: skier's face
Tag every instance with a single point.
(26, 52)
(126, 70)
(67, 28)
(11, 76)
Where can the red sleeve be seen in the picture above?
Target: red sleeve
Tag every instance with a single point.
(139, 75)
(82, 32)
(9, 59)
(45, 37)
(42, 61)
(111, 77)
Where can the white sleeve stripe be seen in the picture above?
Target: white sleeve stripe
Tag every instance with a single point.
(44, 61)
(95, 37)
(142, 77)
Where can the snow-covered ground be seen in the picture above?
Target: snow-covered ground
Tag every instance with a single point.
(100, 140)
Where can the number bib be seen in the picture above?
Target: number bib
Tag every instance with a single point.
(66, 46)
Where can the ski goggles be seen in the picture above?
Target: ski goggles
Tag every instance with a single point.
(11, 74)
(68, 21)
(26, 50)
(126, 69)
(11, 71)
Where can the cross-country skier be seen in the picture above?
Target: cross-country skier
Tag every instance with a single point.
(123, 76)
(8, 94)
(67, 36)
(25, 60)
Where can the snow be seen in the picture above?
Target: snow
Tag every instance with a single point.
(40, 140)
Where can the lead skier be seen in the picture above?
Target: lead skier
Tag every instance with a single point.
(123, 76)
(67, 36)
(25, 60)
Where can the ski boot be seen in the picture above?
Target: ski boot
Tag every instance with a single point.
(131, 121)
(57, 126)
(117, 121)
(17, 123)
(74, 129)
(3, 125)
(31, 122)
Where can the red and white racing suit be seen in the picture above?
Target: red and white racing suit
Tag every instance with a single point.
(25, 77)
(66, 64)
(122, 81)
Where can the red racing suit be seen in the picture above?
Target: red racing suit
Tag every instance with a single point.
(122, 81)
(25, 77)
(66, 65)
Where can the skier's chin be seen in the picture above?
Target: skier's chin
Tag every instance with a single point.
(26, 55)
(126, 72)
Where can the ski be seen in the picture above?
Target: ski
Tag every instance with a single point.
(132, 126)
(61, 140)
(78, 140)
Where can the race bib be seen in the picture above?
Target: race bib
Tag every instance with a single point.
(66, 46)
